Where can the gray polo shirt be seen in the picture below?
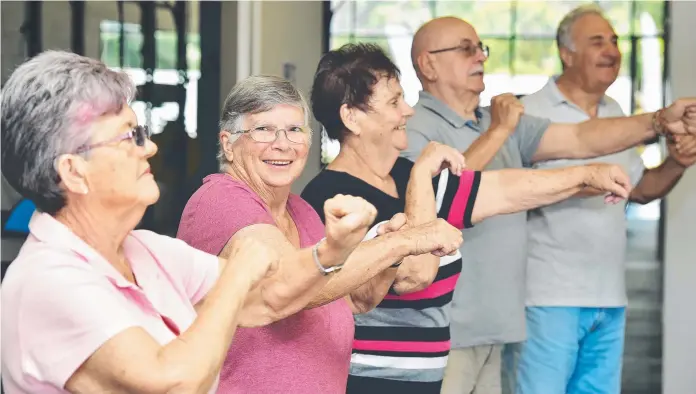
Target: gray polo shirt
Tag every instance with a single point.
(488, 304)
(577, 247)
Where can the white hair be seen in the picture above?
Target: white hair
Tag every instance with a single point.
(48, 104)
(564, 37)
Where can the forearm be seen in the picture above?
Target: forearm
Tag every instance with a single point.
(482, 151)
(657, 182)
(417, 272)
(367, 261)
(296, 283)
(369, 295)
(514, 190)
(192, 361)
(599, 137)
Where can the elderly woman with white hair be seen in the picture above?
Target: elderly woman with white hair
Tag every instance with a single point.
(91, 305)
(264, 143)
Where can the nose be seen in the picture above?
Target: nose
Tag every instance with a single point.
(408, 110)
(281, 141)
(150, 148)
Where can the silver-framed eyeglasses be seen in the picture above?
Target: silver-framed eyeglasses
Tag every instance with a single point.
(294, 134)
(139, 135)
(467, 47)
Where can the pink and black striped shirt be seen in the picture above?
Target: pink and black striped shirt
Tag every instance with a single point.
(405, 340)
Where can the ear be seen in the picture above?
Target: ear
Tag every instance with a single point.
(349, 117)
(72, 170)
(566, 56)
(226, 140)
(425, 63)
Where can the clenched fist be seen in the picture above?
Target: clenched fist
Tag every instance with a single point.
(436, 157)
(608, 178)
(680, 117)
(437, 237)
(347, 220)
(506, 111)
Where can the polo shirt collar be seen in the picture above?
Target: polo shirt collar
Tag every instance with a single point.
(429, 101)
(556, 97)
(50, 231)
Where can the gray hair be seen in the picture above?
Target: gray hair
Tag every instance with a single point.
(48, 104)
(564, 33)
(256, 94)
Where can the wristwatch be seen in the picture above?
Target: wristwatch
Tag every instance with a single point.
(322, 269)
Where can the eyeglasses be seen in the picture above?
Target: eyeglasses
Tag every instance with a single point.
(139, 134)
(467, 47)
(294, 134)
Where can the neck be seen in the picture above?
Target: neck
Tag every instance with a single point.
(101, 228)
(364, 162)
(275, 198)
(588, 100)
(463, 103)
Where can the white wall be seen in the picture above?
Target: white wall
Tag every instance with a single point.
(679, 320)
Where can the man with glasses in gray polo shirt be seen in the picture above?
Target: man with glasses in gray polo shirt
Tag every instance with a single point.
(488, 305)
(576, 295)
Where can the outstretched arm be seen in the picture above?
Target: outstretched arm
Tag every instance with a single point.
(515, 190)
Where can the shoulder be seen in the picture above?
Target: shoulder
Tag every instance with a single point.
(218, 188)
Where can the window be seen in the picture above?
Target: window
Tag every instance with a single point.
(521, 37)
(165, 72)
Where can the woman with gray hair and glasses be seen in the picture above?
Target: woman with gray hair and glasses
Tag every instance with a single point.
(91, 305)
(264, 143)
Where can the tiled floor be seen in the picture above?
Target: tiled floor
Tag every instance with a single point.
(642, 370)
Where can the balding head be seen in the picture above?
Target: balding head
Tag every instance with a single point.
(439, 33)
(445, 54)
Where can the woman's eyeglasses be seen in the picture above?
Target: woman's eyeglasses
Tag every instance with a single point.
(139, 135)
(295, 134)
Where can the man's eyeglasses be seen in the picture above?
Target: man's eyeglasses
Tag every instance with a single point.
(467, 47)
(139, 135)
(294, 134)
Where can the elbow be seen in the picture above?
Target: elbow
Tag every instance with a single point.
(415, 281)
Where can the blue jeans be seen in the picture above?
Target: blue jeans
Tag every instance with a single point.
(572, 351)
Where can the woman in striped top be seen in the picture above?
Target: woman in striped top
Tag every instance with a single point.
(402, 345)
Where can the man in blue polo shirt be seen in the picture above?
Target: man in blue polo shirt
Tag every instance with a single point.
(488, 308)
(576, 295)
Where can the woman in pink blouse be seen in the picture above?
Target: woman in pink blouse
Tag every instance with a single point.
(91, 306)
(264, 143)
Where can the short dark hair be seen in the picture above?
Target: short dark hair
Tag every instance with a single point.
(347, 76)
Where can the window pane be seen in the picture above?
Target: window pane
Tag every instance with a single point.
(539, 18)
(649, 75)
(649, 18)
(499, 59)
(619, 14)
(536, 57)
(490, 18)
(373, 18)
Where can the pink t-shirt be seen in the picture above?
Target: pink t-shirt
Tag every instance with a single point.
(61, 300)
(306, 353)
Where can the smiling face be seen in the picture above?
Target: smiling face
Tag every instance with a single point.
(383, 126)
(596, 60)
(275, 164)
